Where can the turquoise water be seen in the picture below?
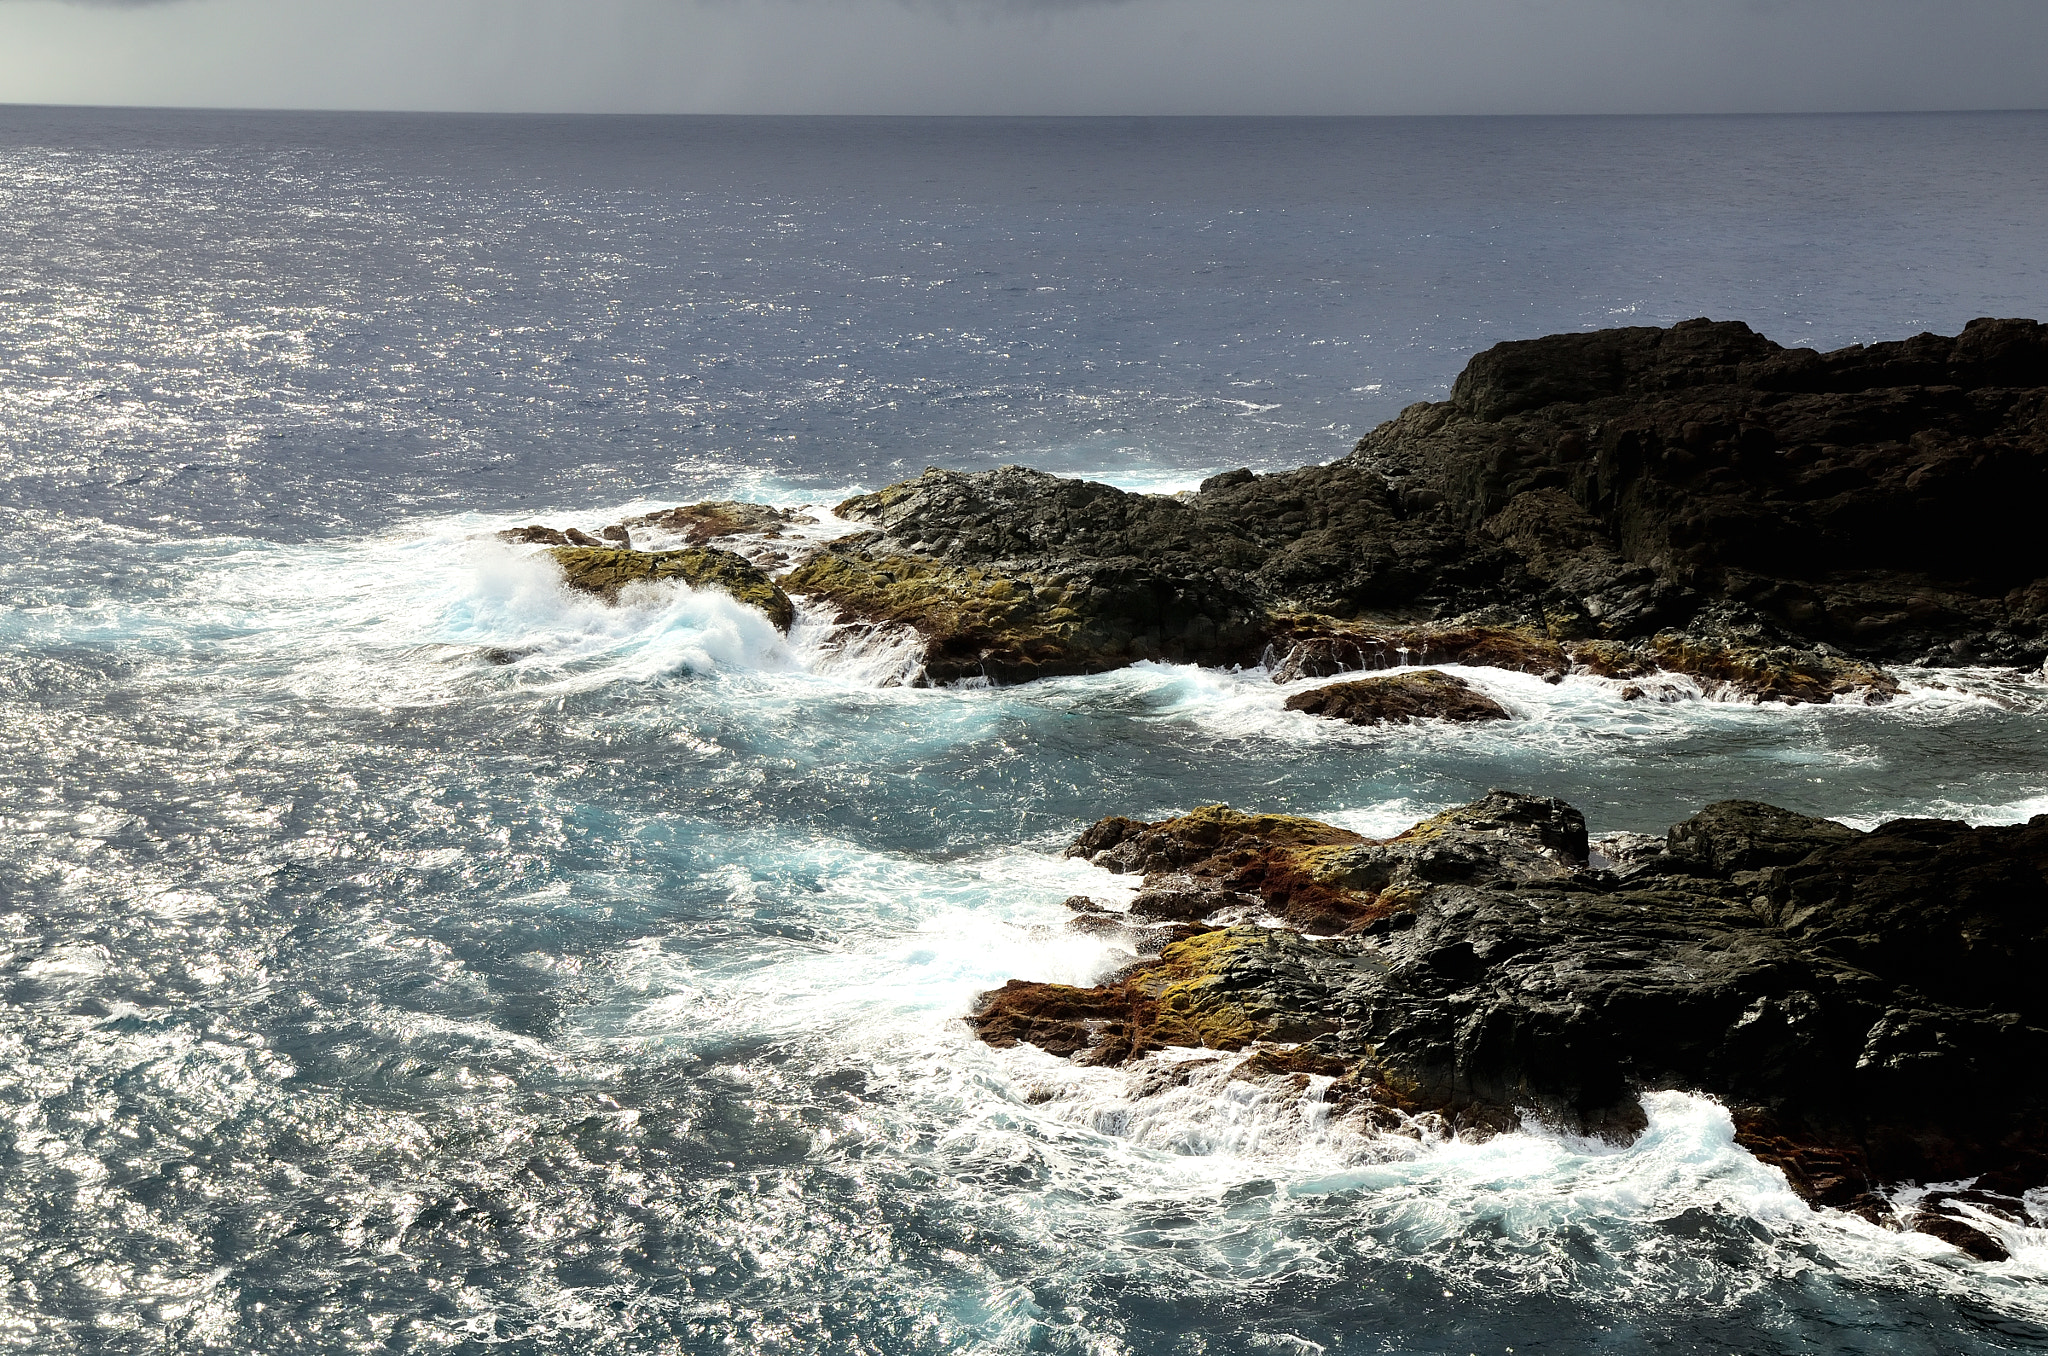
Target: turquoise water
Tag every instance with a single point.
(362, 994)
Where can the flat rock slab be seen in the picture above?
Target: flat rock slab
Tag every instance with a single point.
(1400, 698)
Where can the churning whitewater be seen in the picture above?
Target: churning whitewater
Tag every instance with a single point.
(404, 952)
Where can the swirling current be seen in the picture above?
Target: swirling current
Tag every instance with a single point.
(363, 992)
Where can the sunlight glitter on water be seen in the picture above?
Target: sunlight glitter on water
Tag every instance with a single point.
(363, 991)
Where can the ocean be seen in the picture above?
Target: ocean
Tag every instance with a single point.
(361, 994)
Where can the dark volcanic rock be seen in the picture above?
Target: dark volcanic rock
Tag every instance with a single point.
(1867, 1004)
(1326, 651)
(1399, 698)
(707, 522)
(1959, 1234)
(1014, 574)
(534, 534)
(604, 571)
(1743, 835)
(1694, 498)
(1873, 499)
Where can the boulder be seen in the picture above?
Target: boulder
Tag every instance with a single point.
(1399, 699)
(535, 534)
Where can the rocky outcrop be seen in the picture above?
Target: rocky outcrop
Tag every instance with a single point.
(702, 524)
(1873, 499)
(604, 571)
(1769, 521)
(1867, 1004)
(1399, 699)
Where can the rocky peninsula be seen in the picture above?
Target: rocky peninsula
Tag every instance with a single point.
(1770, 523)
(1774, 523)
(1868, 1005)
(1695, 499)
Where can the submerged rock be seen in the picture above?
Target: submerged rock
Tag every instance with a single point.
(1771, 522)
(606, 570)
(1400, 698)
(1867, 1004)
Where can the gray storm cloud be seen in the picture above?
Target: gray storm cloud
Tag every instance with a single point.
(1032, 56)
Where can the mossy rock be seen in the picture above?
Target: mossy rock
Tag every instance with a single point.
(714, 518)
(1216, 826)
(976, 622)
(1321, 646)
(1398, 699)
(1220, 990)
(1283, 859)
(1773, 673)
(606, 570)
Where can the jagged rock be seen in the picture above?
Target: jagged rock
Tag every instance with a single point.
(1722, 665)
(1186, 899)
(708, 521)
(1743, 835)
(1844, 498)
(1867, 1004)
(1765, 520)
(1220, 990)
(534, 535)
(1959, 1234)
(1281, 854)
(1007, 626)
(1400, 698)
(1241, 476)
(606, 570)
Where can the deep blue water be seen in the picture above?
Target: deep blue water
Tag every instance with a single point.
(360, 995)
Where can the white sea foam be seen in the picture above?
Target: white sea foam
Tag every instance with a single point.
(1257, 1178)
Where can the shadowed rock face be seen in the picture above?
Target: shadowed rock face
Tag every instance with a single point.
(1767, 512)
(1868, 1004)
(1873, 498)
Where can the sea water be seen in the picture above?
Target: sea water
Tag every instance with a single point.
(362, 992)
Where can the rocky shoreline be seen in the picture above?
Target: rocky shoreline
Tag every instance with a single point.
(1773, 524)
(1868, 1005)
(1642, 505)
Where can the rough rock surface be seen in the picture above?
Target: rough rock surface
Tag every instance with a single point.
(606, 570)
(1867, 1004)
(701, 524)
(1695, 498)
(1400, 698)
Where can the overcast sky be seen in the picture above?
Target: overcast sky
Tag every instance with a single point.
(1032, 56)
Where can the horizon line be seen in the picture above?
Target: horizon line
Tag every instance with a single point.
(345, 110)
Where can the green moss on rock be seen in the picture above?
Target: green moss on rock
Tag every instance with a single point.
(1400, 698)
(604, 571)
(976, 622)
(1772, 673)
